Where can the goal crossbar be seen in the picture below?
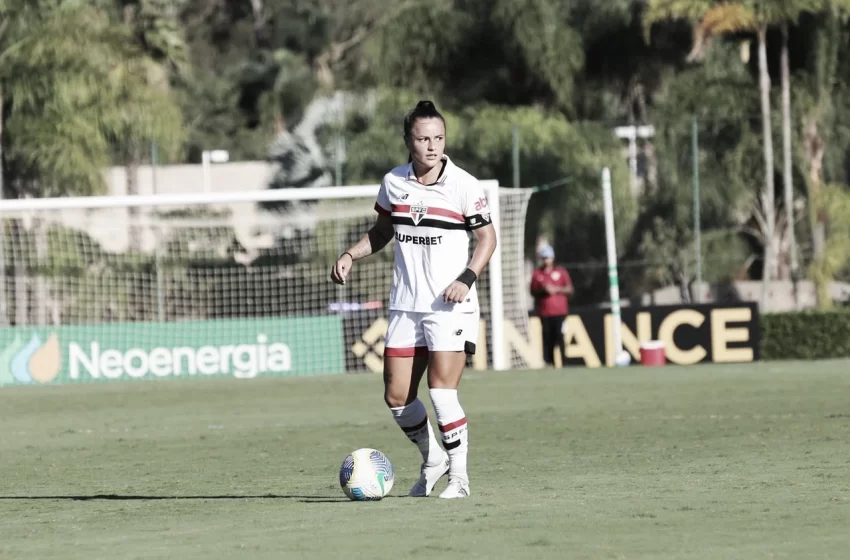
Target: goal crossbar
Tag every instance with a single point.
(195, 199)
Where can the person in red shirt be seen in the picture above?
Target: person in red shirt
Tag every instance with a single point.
(550, 287)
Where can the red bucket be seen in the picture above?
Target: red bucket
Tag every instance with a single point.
(652, 353)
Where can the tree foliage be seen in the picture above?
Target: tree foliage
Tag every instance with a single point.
(88, 84)
(73, 85)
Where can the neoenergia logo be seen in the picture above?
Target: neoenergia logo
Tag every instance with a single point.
(31, 361)
(240, 360)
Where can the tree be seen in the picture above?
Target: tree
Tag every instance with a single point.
(285, 84)
(69, 92)
(355, 21)
(729, 156)
(505, 52)
(152, 47)
(836, 252)
(50, 74)
(788, 11)
(49, 135)
(788, 164)
(821, 135)
(710, 19)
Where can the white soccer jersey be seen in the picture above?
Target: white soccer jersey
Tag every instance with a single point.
(431, 225)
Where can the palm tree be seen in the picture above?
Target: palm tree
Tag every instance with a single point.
(709, 19)
(71, 89)
(718, 18)
(50, 141)
(789, 11)
(787, 167)
(154, 49)
(785, 13)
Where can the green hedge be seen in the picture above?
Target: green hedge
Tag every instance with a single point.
(805, 335)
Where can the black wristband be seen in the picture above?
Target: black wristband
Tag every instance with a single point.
(349, 254)
(467, 277)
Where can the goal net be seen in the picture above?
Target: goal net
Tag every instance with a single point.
(222, 284)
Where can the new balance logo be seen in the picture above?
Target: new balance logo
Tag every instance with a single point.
(459, 332)
(404, 196)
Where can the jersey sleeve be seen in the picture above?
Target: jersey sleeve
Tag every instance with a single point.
(382, 204)
(476, 210)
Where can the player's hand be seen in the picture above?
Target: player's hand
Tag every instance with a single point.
(550, 289)
(456, 292)
(341, 269)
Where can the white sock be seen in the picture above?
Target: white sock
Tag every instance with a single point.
(413, 420)
(452, 422)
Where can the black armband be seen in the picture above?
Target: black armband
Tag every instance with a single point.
(467, 277)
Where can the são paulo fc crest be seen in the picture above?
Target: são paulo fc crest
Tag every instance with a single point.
(417, 212)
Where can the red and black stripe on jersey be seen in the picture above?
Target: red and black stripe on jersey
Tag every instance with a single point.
(456, 221)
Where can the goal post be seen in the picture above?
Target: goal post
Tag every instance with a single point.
(216, 284)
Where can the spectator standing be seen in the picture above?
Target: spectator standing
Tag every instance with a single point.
(551, 286)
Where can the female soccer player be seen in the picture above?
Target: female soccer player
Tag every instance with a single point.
(429, 205)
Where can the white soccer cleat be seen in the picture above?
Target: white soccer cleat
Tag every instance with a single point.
(428, 478)
(456, 489)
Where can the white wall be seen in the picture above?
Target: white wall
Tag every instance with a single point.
(236, 176)
(111, 227)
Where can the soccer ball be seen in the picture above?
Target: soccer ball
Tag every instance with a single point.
(366, 474)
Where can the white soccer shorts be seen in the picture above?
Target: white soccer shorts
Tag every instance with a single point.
(415, 334)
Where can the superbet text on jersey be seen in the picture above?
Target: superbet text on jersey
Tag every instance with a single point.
(431, 224)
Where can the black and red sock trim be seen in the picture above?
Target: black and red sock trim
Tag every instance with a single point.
(449, 445)
(409, 430)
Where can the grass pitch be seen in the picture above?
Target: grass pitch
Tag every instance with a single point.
(704, 462)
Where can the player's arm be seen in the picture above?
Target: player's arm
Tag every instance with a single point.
(373, 241)
(485, 238)
(476, 213)
(485, 246)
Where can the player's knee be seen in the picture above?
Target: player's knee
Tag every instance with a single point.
(395, 399)
(398, 394)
